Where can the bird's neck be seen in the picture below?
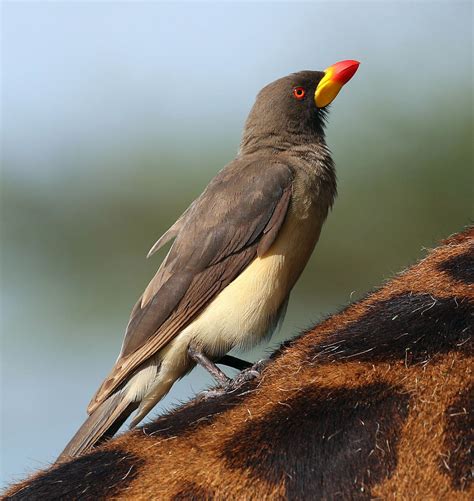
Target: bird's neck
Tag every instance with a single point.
(309, 157)
(273, 141)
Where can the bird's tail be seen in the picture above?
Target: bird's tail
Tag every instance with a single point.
(104, 422)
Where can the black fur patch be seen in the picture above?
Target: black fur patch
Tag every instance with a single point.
(193, 492)
(98, 475)
(461, 267)
(459, 436)
(409, 327)
(196, 413)
(324, 443)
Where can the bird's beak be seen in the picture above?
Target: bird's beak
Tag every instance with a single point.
(334, 78)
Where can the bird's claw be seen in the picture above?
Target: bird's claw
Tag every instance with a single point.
(246, 375)
(232, 385)
(211, 394)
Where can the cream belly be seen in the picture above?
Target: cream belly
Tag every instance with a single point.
(244, 312)
(240, 316)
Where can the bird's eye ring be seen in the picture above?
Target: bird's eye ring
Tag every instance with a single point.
(299, 93)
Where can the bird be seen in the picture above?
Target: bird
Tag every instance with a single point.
(236, 253)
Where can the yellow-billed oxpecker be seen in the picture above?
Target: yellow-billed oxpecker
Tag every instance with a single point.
(238, 251)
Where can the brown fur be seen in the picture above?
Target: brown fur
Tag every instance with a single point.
(373, 402)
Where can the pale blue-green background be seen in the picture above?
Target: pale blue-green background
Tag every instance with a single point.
(115, 115)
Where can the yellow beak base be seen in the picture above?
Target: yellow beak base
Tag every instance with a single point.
(326, 91)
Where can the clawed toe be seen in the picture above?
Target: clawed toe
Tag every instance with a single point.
(232, 385)
(210, 394)
(244, 376)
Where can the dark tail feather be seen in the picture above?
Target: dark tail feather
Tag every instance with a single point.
(100, 425)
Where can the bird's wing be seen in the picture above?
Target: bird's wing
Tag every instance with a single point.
(235, 219)
(170, 233)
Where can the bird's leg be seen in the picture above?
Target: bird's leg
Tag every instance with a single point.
(234, 362)
(210, 366)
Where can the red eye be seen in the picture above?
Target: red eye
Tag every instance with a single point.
(299, 93)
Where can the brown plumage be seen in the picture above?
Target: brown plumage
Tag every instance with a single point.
(374, 402)
(238, 251)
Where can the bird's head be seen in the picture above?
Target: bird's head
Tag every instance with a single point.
(294, 107)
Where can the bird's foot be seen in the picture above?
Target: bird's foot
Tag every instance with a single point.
(235, 384)
(244, 376)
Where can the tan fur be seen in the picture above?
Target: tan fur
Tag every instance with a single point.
(200, 451)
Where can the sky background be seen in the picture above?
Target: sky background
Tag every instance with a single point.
(116, 115)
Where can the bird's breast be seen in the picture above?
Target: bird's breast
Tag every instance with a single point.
(247, 309)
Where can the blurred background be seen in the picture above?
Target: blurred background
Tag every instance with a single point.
(116, 115)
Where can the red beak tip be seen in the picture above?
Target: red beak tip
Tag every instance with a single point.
(344, 70)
